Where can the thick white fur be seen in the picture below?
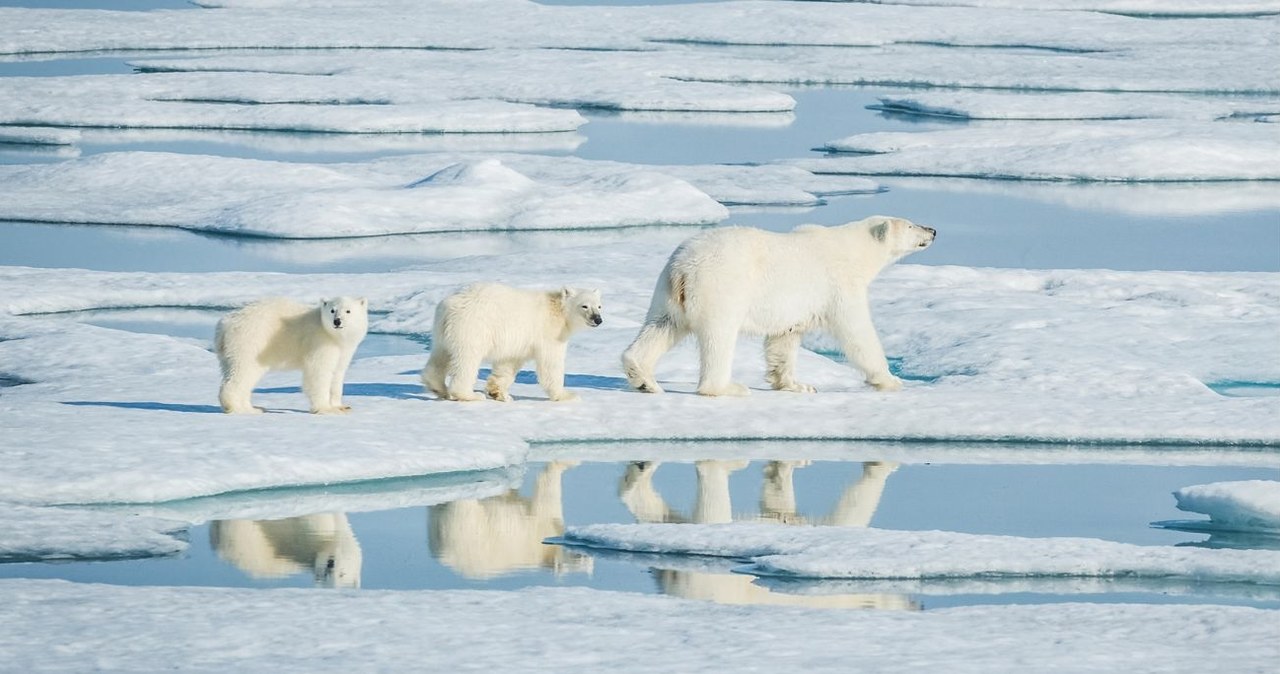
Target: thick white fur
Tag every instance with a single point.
(323, 544)
(739, 280)
(280, 334)
(506, 327)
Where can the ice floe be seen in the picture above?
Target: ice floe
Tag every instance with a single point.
(398, 195)
(1133, 151)
(1252, 505)
(547, 629)
(1077, 105)
(17, 135)
(1143, 8)
(59, 534)
(865, 553)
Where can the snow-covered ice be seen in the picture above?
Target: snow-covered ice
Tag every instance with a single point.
(972, 104)
(1252, 505)
(866, 553)
(1134, 151)
(542, 629)
(1145, 8)
(58, 534)
(18, 135)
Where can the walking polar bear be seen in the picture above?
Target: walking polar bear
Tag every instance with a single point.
(506, 327)
(728, 281)
(280, 334)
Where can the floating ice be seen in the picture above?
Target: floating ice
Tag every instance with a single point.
(58, 534)
(863, 553)
(388, 196)
(1076, 105)
(1137, 151)
(1252, 505)
(546, 629)
(17, 135)
(1142, 8)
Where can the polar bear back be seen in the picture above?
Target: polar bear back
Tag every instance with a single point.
(501, 321)
(278, 333)
(767, 282)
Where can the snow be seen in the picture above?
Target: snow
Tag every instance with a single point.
(17, 135)
(1252, 505)
(867, 553)
(1152, 8)
(546, 629)
(1137, 151)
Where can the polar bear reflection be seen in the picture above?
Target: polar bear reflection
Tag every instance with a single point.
(485, 538)
(322, 543)
(777, 503)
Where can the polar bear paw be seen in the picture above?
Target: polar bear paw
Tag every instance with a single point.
(500, 396)
(796, 387)
(331, 410)
(886, 383)
(466, 397)
(565, 397)
(730, 389)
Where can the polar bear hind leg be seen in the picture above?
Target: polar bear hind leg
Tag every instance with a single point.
(780, 362)
(464, 366)
(655, 339)
(238, 380)
(433, 375)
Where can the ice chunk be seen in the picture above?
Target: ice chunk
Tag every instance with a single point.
(57, 534)
(1252, 505)
(853, 552)
(1136, 151)
(1076, 105)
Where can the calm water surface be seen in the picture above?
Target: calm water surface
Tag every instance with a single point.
(496, 542)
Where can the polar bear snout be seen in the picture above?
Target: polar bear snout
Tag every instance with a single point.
(337, 322)
(933, 234)
(595, 320)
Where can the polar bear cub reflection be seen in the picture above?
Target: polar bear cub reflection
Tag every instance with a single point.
(322, 543)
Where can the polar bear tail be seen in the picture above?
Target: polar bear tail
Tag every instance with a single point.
(664, 327)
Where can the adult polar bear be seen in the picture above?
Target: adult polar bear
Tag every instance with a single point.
(727, 281)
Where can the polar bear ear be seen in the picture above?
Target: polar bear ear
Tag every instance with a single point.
(565, 293)
(881, 230)
(364, 302)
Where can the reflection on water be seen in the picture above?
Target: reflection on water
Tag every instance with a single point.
(855, 507)
(322, 544)
(486, 530)
(484, 538)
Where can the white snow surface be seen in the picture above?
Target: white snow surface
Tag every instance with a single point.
(1167, 8)
(1133, 151)
(19, 135)
(1250, 505)
(867, 553)
(549, 629)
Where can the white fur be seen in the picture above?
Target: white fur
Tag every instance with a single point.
(739, 280)
(506, 327)
(280, 334)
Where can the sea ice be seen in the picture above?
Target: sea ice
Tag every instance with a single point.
(1077, 105)
(58, 534)
(1252, 505)
(1132, 151)
(866, 553)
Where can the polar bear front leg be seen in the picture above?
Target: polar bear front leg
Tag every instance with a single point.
(861, 345)
(715, 347)
(780, 362)
(317, 380)
(500, 379)
(550, 364)
(339, 380)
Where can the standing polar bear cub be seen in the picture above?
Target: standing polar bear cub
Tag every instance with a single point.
(280, 334)
(728, 281)
(505, 326)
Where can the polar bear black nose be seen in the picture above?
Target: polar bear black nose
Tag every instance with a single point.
(337, 322)
(931, 231)
(596, 319)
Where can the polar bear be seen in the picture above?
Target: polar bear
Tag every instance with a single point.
(280, 334)
(505, 326)
(727, 281)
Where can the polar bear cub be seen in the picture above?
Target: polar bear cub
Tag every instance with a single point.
(780, 285)
(281, 334)
(506, 327)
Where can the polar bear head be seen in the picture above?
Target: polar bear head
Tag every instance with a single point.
(899, 236)
(581, 307)
(345, 317)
